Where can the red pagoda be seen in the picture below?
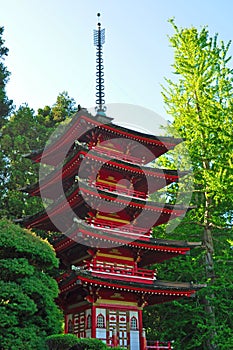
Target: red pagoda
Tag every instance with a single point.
(100, 192)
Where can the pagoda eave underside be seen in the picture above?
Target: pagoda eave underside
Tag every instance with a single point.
(127, 209)
(144, 178)
(84, 127)
(154, 250)
(155, 293)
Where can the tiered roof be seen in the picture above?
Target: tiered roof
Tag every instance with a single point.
(95, 130)
(155, 292)
(139, 175)
(83, 212)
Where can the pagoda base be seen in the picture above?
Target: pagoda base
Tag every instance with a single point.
(115, 322)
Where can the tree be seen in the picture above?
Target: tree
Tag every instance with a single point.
(63, 109)
(20, 136)
(24, 132)
(28, 312)
(200, 100)
(5, 103)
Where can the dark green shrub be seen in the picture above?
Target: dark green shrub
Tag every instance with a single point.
(61, 341)
(66, 341)
(92, 344)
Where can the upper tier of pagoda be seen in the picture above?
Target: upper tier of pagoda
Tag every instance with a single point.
(105, 137)
(144, 180)
(102, 206)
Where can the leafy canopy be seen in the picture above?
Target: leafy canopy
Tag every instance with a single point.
(27, 290)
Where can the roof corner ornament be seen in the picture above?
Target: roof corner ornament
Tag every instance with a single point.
(99, 40)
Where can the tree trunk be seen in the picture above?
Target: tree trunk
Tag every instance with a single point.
(210, 274)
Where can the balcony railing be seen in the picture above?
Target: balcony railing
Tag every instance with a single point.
(121, 228)
(121, 272)
(158, 345)
(118, 155)
(119, 190)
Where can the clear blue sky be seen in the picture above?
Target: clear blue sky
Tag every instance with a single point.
(51, 46)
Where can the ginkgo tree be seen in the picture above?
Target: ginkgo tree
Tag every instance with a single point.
(200, 101)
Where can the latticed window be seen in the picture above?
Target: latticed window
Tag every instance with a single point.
(133, 323)
(89, 321)
(100, 321)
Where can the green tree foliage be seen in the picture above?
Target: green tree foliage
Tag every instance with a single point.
(24, 132)
(5, 103)
(20, 135)
(28, 312)
(64, 108)
(200, 99)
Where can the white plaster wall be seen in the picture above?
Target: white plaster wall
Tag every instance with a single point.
(88, 312)
(69, 317)
(134, 335)
(88, 333)
(101, 334)
(101, 311)
(133, 313)
(134, 340)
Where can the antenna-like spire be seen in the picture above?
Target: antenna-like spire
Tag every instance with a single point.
(99, 40)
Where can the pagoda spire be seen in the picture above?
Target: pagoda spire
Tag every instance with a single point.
(99, 40)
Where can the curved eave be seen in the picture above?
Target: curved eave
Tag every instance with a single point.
(161, 177)
(77, 203)
(77, 130)
(73, 237)
(158, 291)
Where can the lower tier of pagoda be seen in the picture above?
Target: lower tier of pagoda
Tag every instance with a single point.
(153, 293)
(111, 309)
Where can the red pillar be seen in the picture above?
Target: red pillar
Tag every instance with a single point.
(66, 324)
(93, 321)
(144, 343)
(142, 338)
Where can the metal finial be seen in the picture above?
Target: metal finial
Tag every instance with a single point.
(99, 40)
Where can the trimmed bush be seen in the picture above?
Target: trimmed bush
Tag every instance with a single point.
(91, 344)
(71, 342)
(61, 341)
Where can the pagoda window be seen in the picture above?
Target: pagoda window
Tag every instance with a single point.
(134, 323)
(100, 321)
(70, 327)
(88, 321)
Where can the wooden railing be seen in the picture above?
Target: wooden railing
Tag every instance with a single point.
(119, 190)
(104, 224)
(158, 345)
(121, 270)
(118, 155)
(153, 345)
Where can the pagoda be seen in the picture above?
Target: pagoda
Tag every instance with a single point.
(100, 204)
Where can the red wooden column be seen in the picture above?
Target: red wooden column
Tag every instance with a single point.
(144, 342)
(66, 324)
(93, 321)
(140, 328)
